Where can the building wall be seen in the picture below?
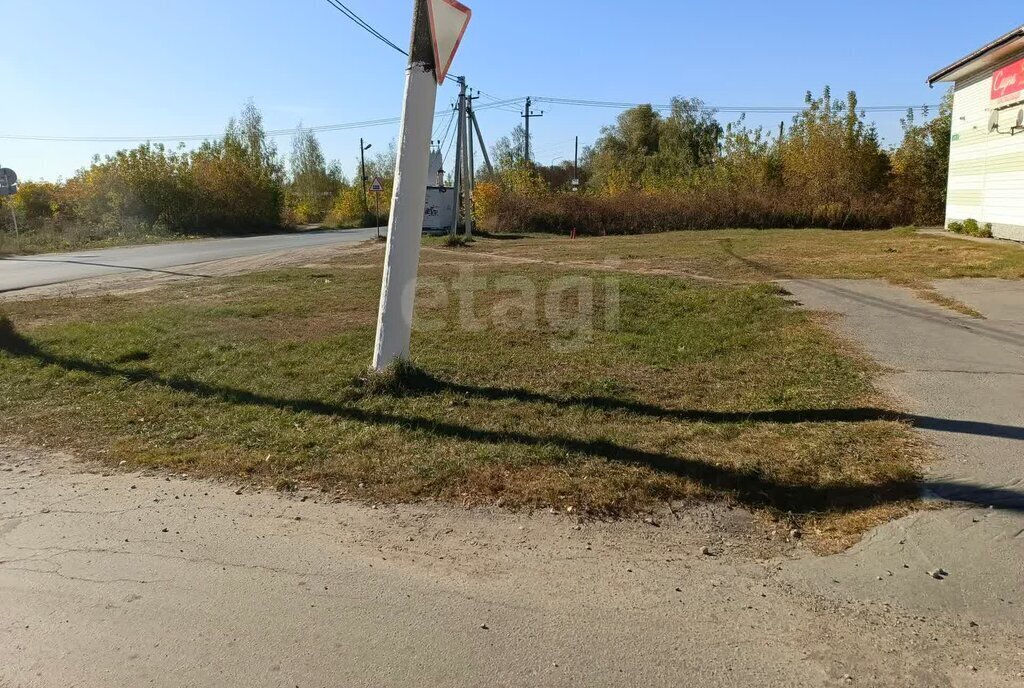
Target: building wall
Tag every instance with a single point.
(986, 169)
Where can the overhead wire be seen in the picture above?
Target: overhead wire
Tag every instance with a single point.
(500, 105)
(448, 128)
(754, 109)
(360, 22)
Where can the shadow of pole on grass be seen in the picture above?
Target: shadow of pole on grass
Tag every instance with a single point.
(418, 382)
(748, 487)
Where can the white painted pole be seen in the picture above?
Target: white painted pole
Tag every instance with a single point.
(405, 227)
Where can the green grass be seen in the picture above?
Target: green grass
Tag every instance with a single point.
(694, 392)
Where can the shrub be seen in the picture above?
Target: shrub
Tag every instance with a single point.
(971, 227)
(456, 241)
(640, 212)
(956, 227)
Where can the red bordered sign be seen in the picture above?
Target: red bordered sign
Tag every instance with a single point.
(448, 22)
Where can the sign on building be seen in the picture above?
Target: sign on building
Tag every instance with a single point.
(1008, 84)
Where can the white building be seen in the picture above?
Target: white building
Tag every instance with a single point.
(986, 161)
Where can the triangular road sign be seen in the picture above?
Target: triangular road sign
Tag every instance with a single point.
(448, 22)
(377, 185)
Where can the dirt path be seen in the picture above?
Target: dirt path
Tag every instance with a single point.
(131, 579)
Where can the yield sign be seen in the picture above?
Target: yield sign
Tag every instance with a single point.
(448, 22)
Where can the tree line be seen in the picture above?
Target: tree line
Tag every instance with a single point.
(237, 184)
(648, 171)
(685, 169)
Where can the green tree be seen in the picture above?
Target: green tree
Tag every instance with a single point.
(832, 153)
(645, 150)
(314, 183)
(921, 164)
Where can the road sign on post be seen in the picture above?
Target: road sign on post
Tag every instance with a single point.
(9, 187)
(377, 187)
(448, 22)
(8, 182)
(437, 29)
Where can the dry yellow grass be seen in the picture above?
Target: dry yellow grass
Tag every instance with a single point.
(902, 255)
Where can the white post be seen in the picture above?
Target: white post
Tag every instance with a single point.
(405, 227)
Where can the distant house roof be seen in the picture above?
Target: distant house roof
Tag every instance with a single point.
(985, 56)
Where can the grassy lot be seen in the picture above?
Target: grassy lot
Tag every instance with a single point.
(901, 256)
(669, 389)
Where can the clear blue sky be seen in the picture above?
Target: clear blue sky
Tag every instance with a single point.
(155, 67)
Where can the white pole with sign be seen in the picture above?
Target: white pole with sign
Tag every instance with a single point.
(437, 30)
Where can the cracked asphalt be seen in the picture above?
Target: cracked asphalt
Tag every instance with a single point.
(109, 578)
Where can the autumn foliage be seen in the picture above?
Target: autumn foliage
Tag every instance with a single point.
(653, 172)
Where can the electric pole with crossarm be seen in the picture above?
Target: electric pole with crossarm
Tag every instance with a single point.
(528, 115)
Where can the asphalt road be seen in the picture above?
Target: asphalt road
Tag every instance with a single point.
(961, 380)
(24, 272)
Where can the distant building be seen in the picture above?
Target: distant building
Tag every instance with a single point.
(986, 161)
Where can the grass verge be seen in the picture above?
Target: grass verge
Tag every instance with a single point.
(599, 393)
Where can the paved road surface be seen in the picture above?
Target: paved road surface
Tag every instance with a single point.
(129, 579)
(23, 272)
(962, 380)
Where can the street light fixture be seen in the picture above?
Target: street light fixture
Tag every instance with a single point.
(362, 167)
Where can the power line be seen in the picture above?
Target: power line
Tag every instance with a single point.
(447, 129)
(271, 133)
(768, 109)
(340, 6)
(363, 24)
(501, 105)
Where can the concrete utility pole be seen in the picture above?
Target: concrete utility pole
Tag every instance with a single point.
(576, 160)
(527, 116)
(480, 138)
(470, 165)
(460, 146)
(405, 228)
